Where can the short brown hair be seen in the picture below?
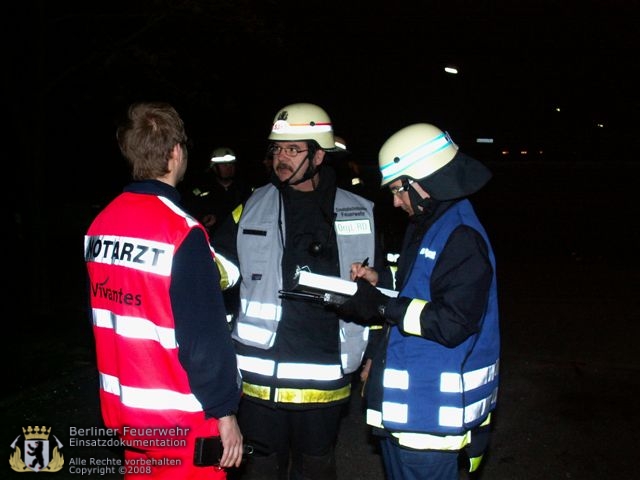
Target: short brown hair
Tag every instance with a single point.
(147, 137)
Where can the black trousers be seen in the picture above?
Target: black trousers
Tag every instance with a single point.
(298, 438)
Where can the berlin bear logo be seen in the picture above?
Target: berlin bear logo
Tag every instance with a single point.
(39, 456)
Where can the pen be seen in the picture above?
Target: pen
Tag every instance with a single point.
(364, 264)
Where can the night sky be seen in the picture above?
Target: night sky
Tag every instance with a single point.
(71, 68)
(228, 66)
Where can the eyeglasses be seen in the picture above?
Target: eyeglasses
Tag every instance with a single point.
(292, 151)
(402, 188)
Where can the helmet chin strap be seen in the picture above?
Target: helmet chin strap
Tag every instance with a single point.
(421, 206)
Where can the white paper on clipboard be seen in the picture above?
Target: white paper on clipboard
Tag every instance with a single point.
(315, 283)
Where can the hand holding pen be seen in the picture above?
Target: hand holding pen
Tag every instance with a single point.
(362, 270)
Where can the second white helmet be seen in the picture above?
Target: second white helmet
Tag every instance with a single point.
(415, 151)
(428, 155)
(222, 155)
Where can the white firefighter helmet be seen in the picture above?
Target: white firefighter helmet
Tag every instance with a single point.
(303, 121)
(415, 151)
(222, 155)
(428, 155)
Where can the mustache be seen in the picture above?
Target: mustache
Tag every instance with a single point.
(284, 166)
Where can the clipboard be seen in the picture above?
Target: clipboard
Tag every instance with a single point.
(325, 289)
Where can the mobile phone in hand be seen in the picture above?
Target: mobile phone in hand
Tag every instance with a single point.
(207, 452)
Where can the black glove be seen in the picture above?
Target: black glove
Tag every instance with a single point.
(366, 306)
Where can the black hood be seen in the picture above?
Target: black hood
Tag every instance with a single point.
(459, 178)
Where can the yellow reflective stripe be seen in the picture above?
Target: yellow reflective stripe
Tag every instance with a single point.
(394, 269)
(487, 422)
(229, 273)
(424, 441)
(237, 213)
(474, 463)
(293, 395)
(296, 395)
(256, 391)
(224, 277)
(411, 320)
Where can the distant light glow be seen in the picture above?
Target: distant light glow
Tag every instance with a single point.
(505, 152)
(524, 152)
(484, 140)
(452, 70)
(557, 109)
(600, 125)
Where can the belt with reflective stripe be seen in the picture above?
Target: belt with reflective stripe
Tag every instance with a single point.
(421, 441)
(425, 441)
(296, 395)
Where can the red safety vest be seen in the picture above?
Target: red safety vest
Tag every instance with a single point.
(129, 251)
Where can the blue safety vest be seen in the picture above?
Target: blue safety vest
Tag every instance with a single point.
(435, 394)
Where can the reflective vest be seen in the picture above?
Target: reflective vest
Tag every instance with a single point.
(129, 259)
(260, 252)
(434, 395)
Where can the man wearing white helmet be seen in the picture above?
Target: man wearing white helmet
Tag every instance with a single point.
(219, 190)
(434, 384)
(296, 357)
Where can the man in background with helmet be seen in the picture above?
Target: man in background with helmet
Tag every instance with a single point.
(296, 357)
(346, 168)
(433, 385)
(219, 191)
